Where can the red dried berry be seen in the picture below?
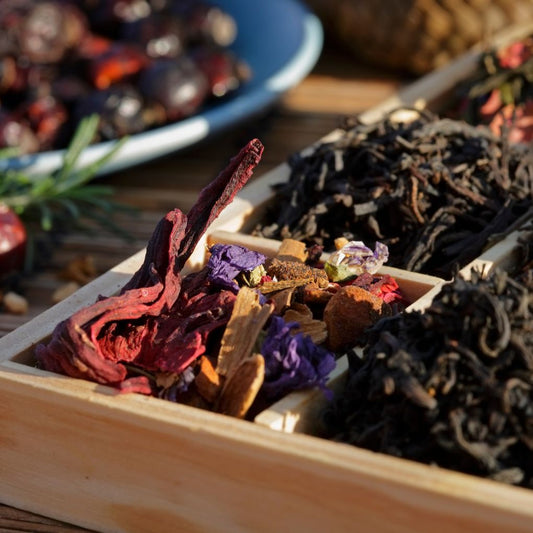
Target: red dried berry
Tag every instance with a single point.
(47, 117)
(177, 85)
(13, 240)
(116, 64)
(223, 70)
(15, 132)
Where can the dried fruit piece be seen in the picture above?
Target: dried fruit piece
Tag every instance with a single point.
(65, 291)
(292, 250)
(313, 295)
(12, 240)
(81, 270)
(308, 325)
(179, 86)
(15, 303)
(207, 381)
(282, 299)
(242, 387)
(292, 270)
(249, 316)
(349, 312)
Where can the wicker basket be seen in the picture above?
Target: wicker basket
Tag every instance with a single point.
(416, 35)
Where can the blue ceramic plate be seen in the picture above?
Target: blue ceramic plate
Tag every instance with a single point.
(280, 40)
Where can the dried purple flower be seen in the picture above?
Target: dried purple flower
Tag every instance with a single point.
(227, 261)
(293, 361)
(354, 259)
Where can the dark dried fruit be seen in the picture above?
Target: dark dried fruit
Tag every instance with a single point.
(179, 87)
(12, 241)
(120, 108)
(15, 132)
(159, 34)
(349, 312)
(66, 48)
(118, 63)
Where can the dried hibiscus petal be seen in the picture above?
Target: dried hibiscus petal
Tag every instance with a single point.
(149, 324)
(384, 286)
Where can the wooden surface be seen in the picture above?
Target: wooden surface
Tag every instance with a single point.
(336, 87)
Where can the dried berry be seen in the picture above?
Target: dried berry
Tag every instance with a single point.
(120, 108)
(64, 49)
(179, 86)
(12, 241)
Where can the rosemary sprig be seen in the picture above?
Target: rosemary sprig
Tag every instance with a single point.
(53, 204)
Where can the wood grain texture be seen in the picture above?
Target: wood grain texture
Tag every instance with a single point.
(135, 464)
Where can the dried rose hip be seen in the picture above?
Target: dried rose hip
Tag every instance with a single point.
(47, 116)
(65, 48)
(116, 64)
(120, 108)
(223, 70)
(49, 30)
(179, 86)
(15, 132)
(12, 241)
(160, 34)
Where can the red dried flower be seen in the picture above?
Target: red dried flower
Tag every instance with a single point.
(158, 321)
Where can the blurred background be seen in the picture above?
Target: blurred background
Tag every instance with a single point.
(415, 36)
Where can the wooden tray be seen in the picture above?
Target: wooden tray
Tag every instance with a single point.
(111, 462)
(504, 254)
(79, 452)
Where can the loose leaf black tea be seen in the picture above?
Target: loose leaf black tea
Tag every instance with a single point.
(433, 190)
(450, 386)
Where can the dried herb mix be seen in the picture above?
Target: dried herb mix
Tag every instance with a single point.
(451, 386)
(182, 337)
(432, 189)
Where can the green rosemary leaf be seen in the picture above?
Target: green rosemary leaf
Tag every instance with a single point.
(47, 218)
(85, 174)
(91, 190)
(82, 138)
(6, 153)
(63, 201)
(68, 176)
